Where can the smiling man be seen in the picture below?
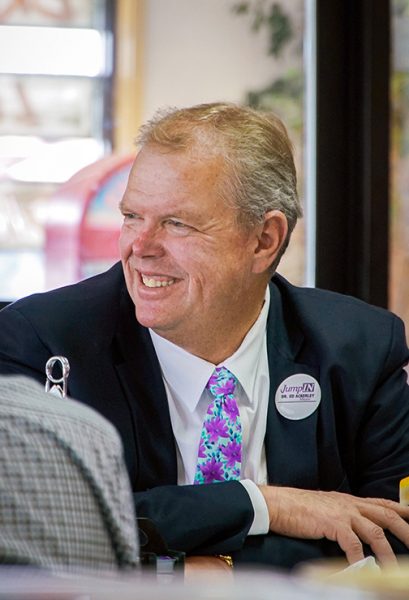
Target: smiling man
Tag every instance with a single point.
(196, 277)
(262, 423)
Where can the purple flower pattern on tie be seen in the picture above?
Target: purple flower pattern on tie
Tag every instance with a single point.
(232, 453)
(219, 455)
(216, 428)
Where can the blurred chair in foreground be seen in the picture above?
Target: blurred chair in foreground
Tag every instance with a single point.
(65, 497)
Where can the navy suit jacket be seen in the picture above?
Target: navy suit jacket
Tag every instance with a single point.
(357, 441)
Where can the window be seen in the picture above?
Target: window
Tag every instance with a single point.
(55, 70)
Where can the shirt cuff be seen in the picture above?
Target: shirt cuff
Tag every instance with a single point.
(261, 522)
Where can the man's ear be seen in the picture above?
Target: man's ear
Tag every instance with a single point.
(271, 237)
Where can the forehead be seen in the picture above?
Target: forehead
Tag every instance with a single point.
(157, 171)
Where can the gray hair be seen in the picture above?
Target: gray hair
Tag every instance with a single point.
(260, 173)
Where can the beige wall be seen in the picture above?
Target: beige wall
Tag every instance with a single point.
(199, 51)
(183, 52)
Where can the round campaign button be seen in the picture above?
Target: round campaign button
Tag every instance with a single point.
(298, 396)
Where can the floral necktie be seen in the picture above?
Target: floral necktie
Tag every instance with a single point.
(219, 457)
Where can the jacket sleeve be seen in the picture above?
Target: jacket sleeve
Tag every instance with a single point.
(382, 453)
(199, 519)
(21, 350)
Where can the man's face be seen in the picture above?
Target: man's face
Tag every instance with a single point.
(188, 265)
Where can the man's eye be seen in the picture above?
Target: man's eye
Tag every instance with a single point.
(178, 227)
(177, 224)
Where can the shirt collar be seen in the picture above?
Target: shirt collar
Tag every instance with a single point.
(243, 363)
(187, 374)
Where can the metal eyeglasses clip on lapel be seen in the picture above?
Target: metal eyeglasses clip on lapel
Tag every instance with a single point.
(52, 384)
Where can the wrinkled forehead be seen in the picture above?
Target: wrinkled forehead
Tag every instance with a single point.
(158, 170)
(158, 161)
(195, 137)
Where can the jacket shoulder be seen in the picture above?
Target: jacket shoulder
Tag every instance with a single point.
(317, 306)
(336, 324)
(96, 290)
(88, 306)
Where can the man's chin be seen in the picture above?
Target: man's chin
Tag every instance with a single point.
(150, 321)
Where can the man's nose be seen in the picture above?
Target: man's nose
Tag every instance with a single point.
(147, 242)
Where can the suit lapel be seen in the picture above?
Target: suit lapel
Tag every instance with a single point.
(140, 376)
(291, 445)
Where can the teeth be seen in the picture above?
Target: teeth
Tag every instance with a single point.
(152, 283)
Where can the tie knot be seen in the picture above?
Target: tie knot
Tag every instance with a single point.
(222, 383)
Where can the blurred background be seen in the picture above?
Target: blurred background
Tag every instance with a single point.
(77, 78)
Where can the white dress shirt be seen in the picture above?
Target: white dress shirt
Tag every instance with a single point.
(185, 377)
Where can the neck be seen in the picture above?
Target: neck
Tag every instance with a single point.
(217, 344)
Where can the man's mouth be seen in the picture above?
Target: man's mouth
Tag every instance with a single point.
(155, 282)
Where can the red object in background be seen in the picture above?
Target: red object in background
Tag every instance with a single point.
(84, 221)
